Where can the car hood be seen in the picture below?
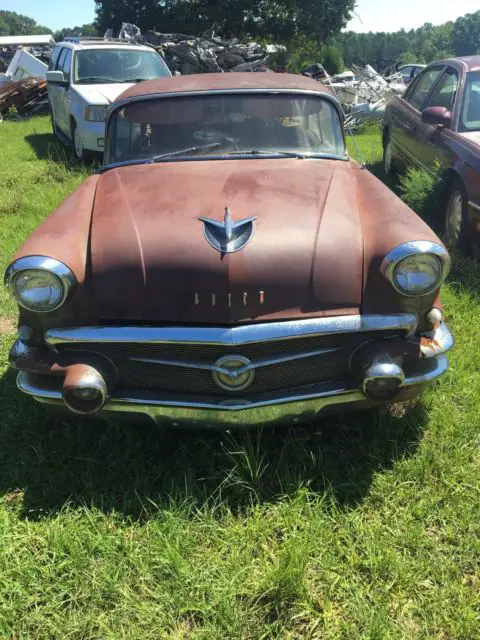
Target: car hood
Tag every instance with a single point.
(150, 260)
(101, 93)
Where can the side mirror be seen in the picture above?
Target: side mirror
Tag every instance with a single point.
(57, 77)
(437, 116)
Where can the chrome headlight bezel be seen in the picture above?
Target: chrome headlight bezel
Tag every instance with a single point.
(394, 258)
(96, 112)
(63, 274)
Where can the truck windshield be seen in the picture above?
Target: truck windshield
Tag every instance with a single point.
(225, 125)
(104, 66)
(470, 113)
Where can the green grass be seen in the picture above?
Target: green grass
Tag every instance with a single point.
(365, 526)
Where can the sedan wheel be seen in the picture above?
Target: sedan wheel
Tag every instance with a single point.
(78, 144)
(455, 217)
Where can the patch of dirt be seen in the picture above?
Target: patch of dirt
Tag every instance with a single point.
(7, 325)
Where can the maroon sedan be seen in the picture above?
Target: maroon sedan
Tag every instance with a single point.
(437, 123)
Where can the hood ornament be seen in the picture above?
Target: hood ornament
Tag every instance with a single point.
(228, 236)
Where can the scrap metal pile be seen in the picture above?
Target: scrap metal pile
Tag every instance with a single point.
(362, 91)
(23, 97)
(188, 54)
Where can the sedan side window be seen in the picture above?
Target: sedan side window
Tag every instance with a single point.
(445, 92)
(422, 88)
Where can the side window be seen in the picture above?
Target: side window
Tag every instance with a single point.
(422, 87)
(67, 63)
(445, 92)
(54, 58)
(61, 60)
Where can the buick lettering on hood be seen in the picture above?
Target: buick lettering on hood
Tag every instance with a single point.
(228, 265)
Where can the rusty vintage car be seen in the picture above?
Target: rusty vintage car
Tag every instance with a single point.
(229, 265)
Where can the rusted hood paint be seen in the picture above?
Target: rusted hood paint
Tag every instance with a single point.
(151, 262)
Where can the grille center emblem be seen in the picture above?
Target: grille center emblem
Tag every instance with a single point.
(233, 373)
(228, 236)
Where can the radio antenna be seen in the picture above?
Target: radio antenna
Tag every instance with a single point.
(361, 157)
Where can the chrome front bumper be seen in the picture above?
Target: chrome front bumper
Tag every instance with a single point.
(292, 406)
(303, 404)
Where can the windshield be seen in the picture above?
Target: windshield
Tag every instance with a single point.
(225, 125)
(102, 66)
(470, 113)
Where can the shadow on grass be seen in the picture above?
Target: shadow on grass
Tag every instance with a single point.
(137, 469)
(465, 274)
(46, 146)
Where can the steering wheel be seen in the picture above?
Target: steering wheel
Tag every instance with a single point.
(210, 137)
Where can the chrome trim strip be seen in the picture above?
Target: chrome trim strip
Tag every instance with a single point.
(302, 402)
(474, 206)
(257, 364)
(211, 157)
(40, 263)
(233, 336)
(393, 257)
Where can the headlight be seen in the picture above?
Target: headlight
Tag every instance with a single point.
(39, 284)
(96, 113)
(416, 268)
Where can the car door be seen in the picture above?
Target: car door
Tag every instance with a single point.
(65, 95)
(406, 119)
(433, 140)
(54, 90)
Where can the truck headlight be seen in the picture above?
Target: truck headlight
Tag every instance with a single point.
(38, 283)
(96, 113)
(416, 268)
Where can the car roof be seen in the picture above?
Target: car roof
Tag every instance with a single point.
(469, 63)
(225, 82)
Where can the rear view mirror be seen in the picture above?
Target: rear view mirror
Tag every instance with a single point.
(57, 77)
(437, 116)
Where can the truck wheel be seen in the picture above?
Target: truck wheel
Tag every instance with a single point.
(78, 148)
(456, 212)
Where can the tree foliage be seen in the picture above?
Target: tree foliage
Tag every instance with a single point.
(466, 35)
(422, 45)
(14, 24)
(278, 20)
(305, 52)
(89, 29)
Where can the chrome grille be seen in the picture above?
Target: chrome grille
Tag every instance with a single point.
(179, 379)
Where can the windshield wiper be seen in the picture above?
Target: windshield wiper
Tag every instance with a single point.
(185, 152)
(260, 152)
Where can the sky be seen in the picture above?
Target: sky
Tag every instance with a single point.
(374, 15)
(408, 14)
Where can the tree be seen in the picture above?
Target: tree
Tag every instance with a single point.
(466, 35)
(306, 52)
(14, 24)
(332, 60)
(83, 30)
(279, 20)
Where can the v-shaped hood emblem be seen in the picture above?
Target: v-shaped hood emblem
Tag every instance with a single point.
(228, 236)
